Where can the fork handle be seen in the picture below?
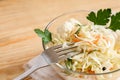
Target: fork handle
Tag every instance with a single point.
(38, 65)
(28, 72)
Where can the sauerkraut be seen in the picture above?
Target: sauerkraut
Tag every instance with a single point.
(98, 47)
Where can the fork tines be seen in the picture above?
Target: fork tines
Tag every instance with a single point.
(63, 51)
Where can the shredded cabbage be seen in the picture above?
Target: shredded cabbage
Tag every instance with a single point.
(97, 46)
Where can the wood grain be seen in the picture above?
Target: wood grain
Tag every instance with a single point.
(18, 19)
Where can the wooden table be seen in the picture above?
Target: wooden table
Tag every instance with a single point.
(18, 19)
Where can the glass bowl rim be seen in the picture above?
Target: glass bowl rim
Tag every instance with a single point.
(64, 14)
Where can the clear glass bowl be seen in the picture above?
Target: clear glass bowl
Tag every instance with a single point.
(81, 16)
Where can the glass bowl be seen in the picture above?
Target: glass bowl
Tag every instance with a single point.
(70, 75)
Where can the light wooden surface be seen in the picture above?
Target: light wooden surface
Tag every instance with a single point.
(18, 19)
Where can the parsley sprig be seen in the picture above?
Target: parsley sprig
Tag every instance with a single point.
(46, 35)
(115, 22)
(102, 17)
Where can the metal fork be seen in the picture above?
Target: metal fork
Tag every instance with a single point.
(51, 55)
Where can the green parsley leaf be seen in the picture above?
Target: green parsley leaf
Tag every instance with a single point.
(39, 32)
(101, 18)
(115, 22)
(46, 35)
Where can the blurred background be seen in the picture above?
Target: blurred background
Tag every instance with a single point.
(18, 19)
